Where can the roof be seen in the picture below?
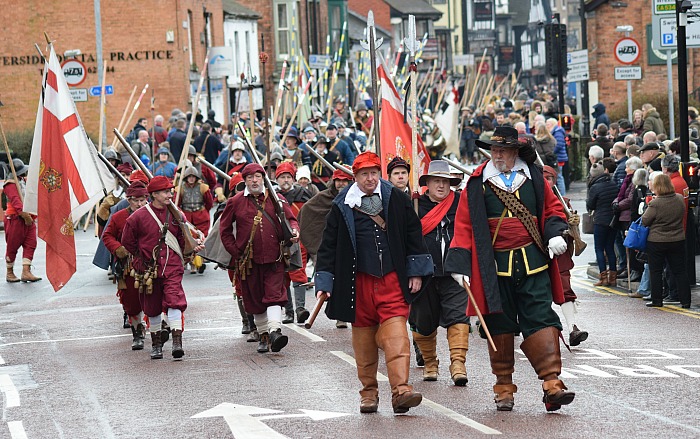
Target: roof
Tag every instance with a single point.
(592, 5)
(357, 25)
(414, 7)
(232, 7)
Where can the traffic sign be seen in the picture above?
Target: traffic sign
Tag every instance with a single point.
(220, 62)
(627, 50)
(97, 90)
(79, 94)
(664, 34)
(577, 57)
(577, 63)
(319, 62)
(628, 73)
(74, 71)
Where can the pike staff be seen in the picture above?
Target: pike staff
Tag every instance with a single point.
(411, 44)
(372, 44)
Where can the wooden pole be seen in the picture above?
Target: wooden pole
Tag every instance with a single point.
(120, 127)
(9, 159)
(465, 284)
(296, 110)
(478, 75)
(131, 115)
(102, 106)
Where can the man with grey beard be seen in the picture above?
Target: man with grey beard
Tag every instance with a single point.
(507, 214)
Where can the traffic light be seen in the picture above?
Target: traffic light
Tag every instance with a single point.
(567, 122)
(689, 172)
(555, 57)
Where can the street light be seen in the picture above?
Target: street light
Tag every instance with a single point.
(73, 53)
(627, 29)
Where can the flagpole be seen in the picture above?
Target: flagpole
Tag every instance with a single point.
(411, 44)
(372, 45)
(102, 105)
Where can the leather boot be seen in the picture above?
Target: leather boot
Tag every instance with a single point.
(138, 334)
(27, 275)
(302, 314)
(419, 355)
(577, 336)
(542, 349)
(392, 338)
(11, 278)
(612, 278)
(458, 341)
(264, 343)
(603, 280)
(428, 345)
(364, 345)
(178, 352)
(126, 324)
(164, 332)
(156, 346)
(503, 366)
(245, 328)
(278, 340)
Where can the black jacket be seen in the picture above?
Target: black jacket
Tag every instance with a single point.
(434, 238)
(212, 148)
(602, 190)
(336, 257)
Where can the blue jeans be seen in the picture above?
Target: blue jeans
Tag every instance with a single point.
(604, 243)
(645, 283)
(561, 184)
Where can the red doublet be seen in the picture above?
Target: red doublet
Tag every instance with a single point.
(128, 297)
(17, 233)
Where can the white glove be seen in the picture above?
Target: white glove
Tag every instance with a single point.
(460, 279)
(557, 246)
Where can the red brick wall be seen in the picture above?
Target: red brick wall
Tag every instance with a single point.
(381, 10)
(602, 38)
(126, 27)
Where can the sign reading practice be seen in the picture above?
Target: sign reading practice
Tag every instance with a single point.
(74, 71)
(627, 50)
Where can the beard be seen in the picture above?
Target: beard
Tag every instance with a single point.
(255, 190)
(286, 187)
(500, 165)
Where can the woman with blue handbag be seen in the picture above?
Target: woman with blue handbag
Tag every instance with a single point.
(666, 241)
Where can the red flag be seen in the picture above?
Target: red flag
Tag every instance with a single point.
(65, 179)
(395, 136)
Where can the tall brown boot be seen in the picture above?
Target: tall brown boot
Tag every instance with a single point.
(603, 280)
(458, 341)
(392, 338)
(612, 278)
(27, 275)
(428, 347)
(177, 352)
(503, 366)
(10, 277)
(364, 345)
(542, 349)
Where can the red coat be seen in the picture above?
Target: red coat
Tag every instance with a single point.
(112, 235)
(472, 254)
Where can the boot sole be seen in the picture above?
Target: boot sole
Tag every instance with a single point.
(460, 381)
(30, 280)
(555, 404)
(157, 357)
(575, 341)
(178, 353)
(303, 316)
(12, 281)
(137, 348)
(430, 378)
(279, 343)
(414, 401)
(372, 409)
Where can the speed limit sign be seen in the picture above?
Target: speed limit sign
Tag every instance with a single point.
(627, 51)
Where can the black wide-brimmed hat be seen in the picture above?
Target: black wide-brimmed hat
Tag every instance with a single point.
(506, 137)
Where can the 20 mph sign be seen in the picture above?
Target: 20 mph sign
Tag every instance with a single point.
(627, 51)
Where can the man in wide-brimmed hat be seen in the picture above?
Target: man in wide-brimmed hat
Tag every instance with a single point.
(443, 302)
(294, 149)
(508, 213)
(371, 261)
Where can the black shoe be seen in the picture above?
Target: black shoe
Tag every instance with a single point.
(302, 314)
(577, 336)
(419, 355)
(685, 305)
(126, 324)
(202, 268)
(138, 337)
(277, 340)
(245, 329)
(635, 276)
(654, 305)
(288, 318)
(156, 346)
(264, 343)
(670, 301)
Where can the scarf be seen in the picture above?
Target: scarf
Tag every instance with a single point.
(436, 214)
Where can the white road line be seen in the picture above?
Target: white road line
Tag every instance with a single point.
(17, 430)
(8, 388)
(1, 360)
(427, 402)
(301, 330)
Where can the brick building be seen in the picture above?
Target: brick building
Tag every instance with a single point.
(159, 42)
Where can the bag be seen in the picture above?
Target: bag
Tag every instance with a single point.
(615, 221)
(587, 223)
(637, 234)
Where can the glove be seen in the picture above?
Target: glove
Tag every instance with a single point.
(121, 252)
(557, 246)
(460, 278)
(574, 220)
(28, 220)
(220, 197)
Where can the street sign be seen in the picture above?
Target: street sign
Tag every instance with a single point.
(97, 90)
(577, 57)
(79, 94)
(221, 62)
(577, 63)
(463, 60)
(628, 73)
(662, 7)
(319, 62)
(663, 30)
(74, 71)
(627, 50)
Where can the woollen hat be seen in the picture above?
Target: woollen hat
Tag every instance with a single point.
(236, 179)
(548, 170)
(367, 159)
(341, 175)
(138, 175)
(125, 168)
(286, 167)
(397, 162)
(252, 168)
(136, 189)
(159, 183)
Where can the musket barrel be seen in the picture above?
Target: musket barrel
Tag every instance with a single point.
(325, 162)
(457, 166)
(216, 170)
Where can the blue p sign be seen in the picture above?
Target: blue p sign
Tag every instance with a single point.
(667, 39)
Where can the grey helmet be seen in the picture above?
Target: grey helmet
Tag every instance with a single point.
(111, 154)
(191, 150)
(20, 167)
(191, 170)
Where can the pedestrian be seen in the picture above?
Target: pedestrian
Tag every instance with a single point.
(442, 301)
(508, 227)
(652, 120)
(153, 236)
(602, 190)
(371, 263)
(664, 217)
(561, 153)
(20, 227)
(545, 143)
(600, 116)
(255, 250)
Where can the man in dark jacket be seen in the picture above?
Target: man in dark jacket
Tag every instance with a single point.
(371, 262)
(207, 144)
(177, 139)
(443, 302)
(599, 115)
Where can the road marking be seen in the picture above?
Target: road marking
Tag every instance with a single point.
(1, 360)
(8, 388)
(429, 403)
(17, 430)
(304, 332)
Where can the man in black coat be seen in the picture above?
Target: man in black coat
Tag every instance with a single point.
(371, 263)
(208, 144)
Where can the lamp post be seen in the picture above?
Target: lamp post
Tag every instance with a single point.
(682, 8)
(626, 29)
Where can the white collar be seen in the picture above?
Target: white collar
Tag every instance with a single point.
(246, 192)
(490, 170)
(353, 198)
(237, 162)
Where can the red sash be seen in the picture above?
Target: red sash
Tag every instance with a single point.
(436, 214)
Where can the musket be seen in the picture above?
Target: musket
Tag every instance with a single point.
(343, 168)
(457, 166)
(287, 234)
(266, 133)
(193, 237)
(372, 45)
(325, 162)
(319, 303)
(113, 170)
(216, 170)
(411, 44)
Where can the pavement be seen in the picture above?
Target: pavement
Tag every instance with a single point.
(67, 371)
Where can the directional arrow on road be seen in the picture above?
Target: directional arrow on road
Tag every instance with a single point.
(244, 426)
(8, 388)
